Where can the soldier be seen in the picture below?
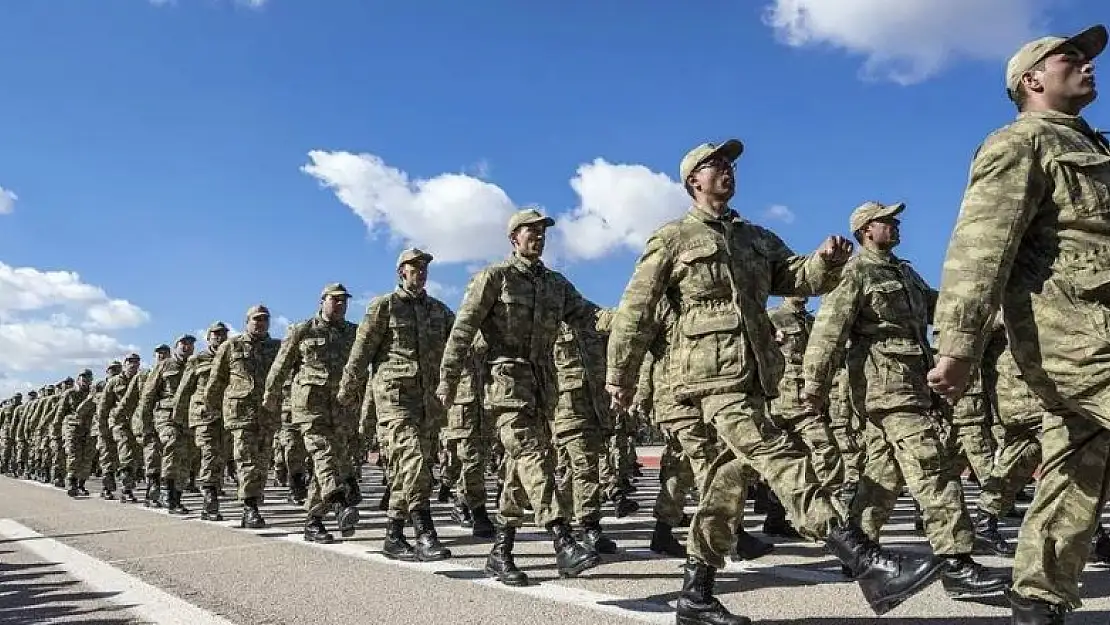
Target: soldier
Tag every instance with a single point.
(1032, 236)
(54, 439)
(142, 425)
(8, 426)
(466, 439)
(517, 304)
(75, 410)
(292, 449)
(883, 306)
(719, 270)
(205, 424)
(314, 352)
(401, 337)
(156, 405)
(106, 448)
(109, 411)
(234, 390)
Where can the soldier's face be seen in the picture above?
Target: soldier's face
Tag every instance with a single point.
(185, 348)
(215, 339)
(529, 240)
(160, 356)
(259, 324)
(334, 306)
(131, 367)
(413, 275)
(884, 232)
(715, 177)
(1068, 75)
(83, 383)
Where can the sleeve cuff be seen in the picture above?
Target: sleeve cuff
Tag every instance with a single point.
(957, 344)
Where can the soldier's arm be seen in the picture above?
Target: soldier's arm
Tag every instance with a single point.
(801, 276)
(218, 377)
(368, 413)
(629, 335)
(368, 340)
(130, 399)
(287, 357)
(1004, 190)
(149, 395)
(831, 327)
(107, 400)
(478, 301)
(645, 388)
(185, 389)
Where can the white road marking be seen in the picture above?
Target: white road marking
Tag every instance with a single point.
(144, 600)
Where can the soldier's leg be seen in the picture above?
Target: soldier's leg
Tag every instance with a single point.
(473, 453)
(296, 460)
(209, 439)
(583, 448)
(451, 468)
(972, 439)
(815, 432)
(1018, 458)
(73, 449)
(277, 456)
(880, 483)
(1056, 534)
(175, 466)
(564, 482)
(58, 459)
(108, 459)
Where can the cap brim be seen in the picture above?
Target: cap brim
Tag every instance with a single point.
(546, 221)
(1091, 42)
(338, 294)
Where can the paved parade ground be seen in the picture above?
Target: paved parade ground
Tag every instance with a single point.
(95, 561)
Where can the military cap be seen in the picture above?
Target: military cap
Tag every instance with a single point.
(529, 216)
(186, 338)
(133, 356)
(20, 395)
(731, 149)
(115, 364)
(33, 394)
(258, 310)
(67, 381)
(219, 326)
(162, 348)
(87, 373)
(335, 289)
(1090, 42)
(870, 211)
(414, 254)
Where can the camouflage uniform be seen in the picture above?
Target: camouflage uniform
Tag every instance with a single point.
(1032, 235)
(466, 439)
(847, 429)
(109, 411)
(156, 407)
(106, 448)
(205, 426)
(969, 439)
(291, 449)
(402, 336)
(313, 352)
(9, 421)
(234, 390)
(75, 411)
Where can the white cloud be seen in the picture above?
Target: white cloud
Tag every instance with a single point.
(115, 314)
(279, 325)
(456, 217)
(778, 212)
(24, 289)
(7, 201)
(907, 41)
(48, 345)
(620, 206)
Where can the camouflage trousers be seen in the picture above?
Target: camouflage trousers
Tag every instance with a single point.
(209, 439)
(106, 449)
(579, 493)
(57, 455)
(289, 449)
(690, 451)
(152, 454)
(411, 454)
(466, 441)
(752, 440)
(327, 430)
(620, 451)
(1019, 453)
(129, 450)
(970, 444)
(7, 454)
(252, 447)
(905, 449)
(814, 431)
(175, 452)
(529, 472)
(78, 448)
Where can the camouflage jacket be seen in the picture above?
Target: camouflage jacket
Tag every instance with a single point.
(237, 379)
(517, 305)
(792, 329)
(1033, 234)
(156, 402)
(67, 412)
(1015, 402)
(718, 273)
(188, 398)
(881, 310)
(401, 337)
(655, 393)
(114, 390)
(313, 352)
(583, 402)
(128, 407)
(469, 400)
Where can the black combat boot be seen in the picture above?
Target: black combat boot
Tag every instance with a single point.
(346, 516)
(483, 526)
(988, 540)
(776, 523)
(886, 578)
(173, 499)
(153, 498)
(500, 563)
(191, 486)
(964, 578)
(395, 546)
(622, 505)
(251, 518)
(596, 540)
(315, 532)
(298, 489)
(696, 604)
(663, 541)
(211, 509)
(1100, 546)
(428, 548)
(748, 547)
(108, 486)
(571, 558)
(1035, 612)
(460, 513)
(72, 492)
(354, 491)
(444, 494)
(127, 492)
(81, 488)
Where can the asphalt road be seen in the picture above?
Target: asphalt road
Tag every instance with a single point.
(92, 561)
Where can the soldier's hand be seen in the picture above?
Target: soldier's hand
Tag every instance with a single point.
(621, 397)
(949, 377)
(836, 250)
(445, 396)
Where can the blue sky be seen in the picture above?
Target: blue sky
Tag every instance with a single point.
(188, 159)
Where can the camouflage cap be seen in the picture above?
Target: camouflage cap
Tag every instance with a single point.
(1090, 42)
(258, 310)
(529, 216)
(335, 289)
(162, 348)
(186, 338)
(731, 149)
(133, 357)
(870, 211)
(87, 373)
(414, 254)
(219, 326)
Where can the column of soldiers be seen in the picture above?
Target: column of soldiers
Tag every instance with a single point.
(834, 414)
